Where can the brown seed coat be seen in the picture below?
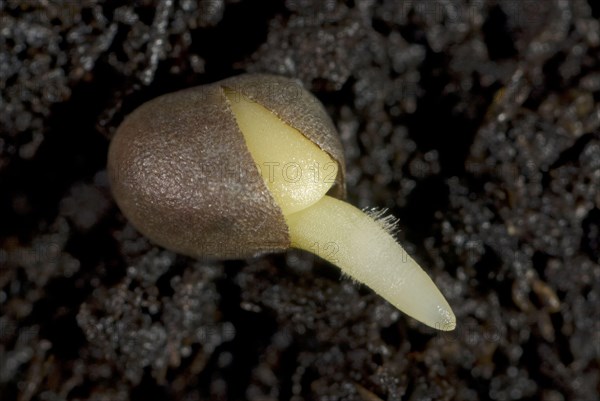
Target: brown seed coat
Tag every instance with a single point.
(180, 171)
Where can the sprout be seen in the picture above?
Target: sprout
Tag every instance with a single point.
(246, 166)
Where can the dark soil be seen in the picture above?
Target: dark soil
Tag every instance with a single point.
(477, 123)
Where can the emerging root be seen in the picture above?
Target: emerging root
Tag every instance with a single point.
(366, 251)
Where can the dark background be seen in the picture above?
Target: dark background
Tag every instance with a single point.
(475, 122)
